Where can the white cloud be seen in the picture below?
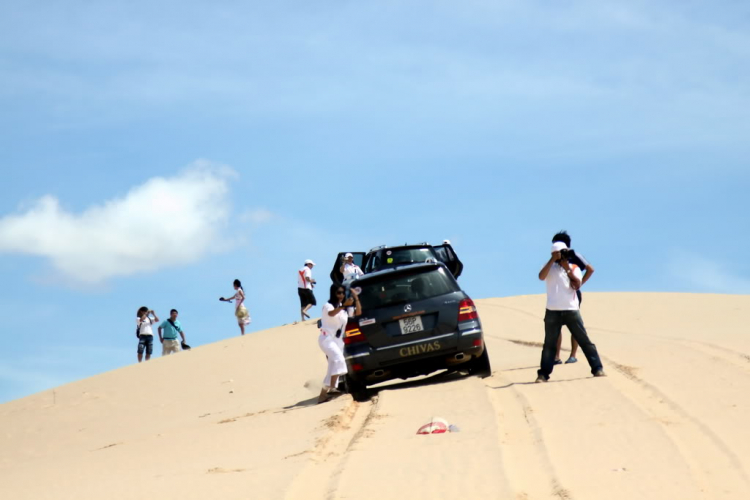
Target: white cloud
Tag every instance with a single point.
(167, 221)
(258, 216)
(707, 275)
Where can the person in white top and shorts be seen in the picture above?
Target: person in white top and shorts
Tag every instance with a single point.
(144, 320)
(305, 285)
(335, 314)
(563, 279)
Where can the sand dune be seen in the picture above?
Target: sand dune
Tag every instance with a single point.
(237, 419)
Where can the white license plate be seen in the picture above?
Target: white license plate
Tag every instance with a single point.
(411, 325)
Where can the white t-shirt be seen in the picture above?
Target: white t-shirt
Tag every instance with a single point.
(145, 326)
(351, 270)
(560, 295)
(301, 275)
(331, 324)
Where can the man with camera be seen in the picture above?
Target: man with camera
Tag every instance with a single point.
(563, 280)
(587, 269)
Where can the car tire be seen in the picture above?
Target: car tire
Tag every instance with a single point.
(481, 365)
(357, 389)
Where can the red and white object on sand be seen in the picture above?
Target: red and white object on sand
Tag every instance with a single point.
(436, 426)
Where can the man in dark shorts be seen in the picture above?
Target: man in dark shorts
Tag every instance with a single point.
(578, 260)
(305, 284)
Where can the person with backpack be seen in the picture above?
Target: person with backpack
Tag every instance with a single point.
(171, 328)
(145, 318)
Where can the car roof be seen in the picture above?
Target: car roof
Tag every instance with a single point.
(397, 270)
(406, 245)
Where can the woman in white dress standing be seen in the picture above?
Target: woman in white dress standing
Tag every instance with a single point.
(335, 314)
(240, 311)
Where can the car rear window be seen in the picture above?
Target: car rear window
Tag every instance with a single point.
(410, 287)
(405, 256)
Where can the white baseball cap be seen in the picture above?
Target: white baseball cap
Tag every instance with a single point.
(348, 255)
(558, 245)
(308, 261)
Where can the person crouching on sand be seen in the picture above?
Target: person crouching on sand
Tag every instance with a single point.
(335, 314)
(240, 311)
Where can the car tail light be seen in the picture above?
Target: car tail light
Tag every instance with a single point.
(353, 334)
(467, 310)
(357, 367)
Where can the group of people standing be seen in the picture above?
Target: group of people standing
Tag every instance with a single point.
(171, 334)
(564, 274)
(169, 331)
(333, 319)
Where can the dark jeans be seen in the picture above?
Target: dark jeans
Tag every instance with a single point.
(553, 323)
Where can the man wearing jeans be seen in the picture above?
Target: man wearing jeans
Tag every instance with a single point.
(563, 279)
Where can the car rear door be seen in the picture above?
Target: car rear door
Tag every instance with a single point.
(336, 276)
(397, 312)
(447, 256)
(395, 325)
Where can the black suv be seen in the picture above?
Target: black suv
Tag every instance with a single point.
(415, 320)
(385, 257)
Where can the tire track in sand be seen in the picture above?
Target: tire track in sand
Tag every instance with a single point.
(713, 463)
(320, 474)
(522, 440)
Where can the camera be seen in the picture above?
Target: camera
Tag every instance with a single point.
(567, 253)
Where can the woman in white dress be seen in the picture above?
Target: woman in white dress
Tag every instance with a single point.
(240, 311)
(335, 314)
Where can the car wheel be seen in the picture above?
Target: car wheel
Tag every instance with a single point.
(481, 365)
(357, 389)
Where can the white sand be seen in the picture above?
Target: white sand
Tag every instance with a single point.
(669, 422)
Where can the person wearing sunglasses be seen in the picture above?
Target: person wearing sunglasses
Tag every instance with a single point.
(349, 269)
(335, 314)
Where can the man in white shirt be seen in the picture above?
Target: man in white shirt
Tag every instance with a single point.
(563, 279)
(305, 284)
(350, 269)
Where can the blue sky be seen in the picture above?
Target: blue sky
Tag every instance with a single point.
(152, 153)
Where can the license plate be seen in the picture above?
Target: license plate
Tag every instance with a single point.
(411, 325)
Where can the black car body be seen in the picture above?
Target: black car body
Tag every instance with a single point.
(389, 257)
(415, 320)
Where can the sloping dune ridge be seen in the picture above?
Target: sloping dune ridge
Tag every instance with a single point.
(237, 419)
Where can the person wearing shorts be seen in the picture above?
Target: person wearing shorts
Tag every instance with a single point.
(144, 320)
(305, 284)
(171, 328)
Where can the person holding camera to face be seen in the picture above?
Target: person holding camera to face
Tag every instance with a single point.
(335, 314)
(143, 321)
(563, 279)
(587, 269)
